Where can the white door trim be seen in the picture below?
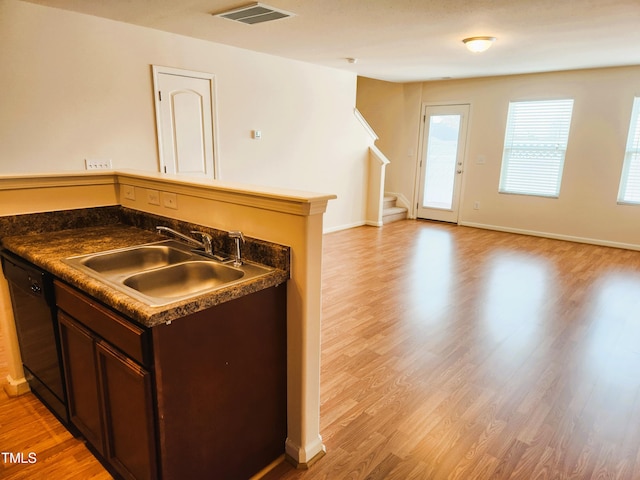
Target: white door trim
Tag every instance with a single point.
(422, 151)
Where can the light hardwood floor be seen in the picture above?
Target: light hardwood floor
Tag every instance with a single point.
(452, 353)
(455, 353)
(27, 428)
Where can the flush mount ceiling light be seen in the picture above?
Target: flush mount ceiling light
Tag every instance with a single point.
(254, 13)
(478, 44)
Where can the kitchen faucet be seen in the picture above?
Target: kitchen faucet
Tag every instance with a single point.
(237, 236)
(205, 244)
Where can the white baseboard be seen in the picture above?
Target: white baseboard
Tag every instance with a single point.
(347, 226)
(16, 387)
(301, 457)
(555, 236)
(520, 231)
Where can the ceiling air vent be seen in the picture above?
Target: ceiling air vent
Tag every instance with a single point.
(254, 13)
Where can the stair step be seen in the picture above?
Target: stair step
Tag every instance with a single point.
(393, 214)
(389, 201)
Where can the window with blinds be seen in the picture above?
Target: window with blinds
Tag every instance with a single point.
(534, 147)
(630, 180)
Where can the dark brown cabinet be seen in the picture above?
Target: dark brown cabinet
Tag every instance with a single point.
(79, 357)
(110, 395)
(125, 392)
(203, 397)
(222, 376)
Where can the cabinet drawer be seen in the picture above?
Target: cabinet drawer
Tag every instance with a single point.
(121, 333)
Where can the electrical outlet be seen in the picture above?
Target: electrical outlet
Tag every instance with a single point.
(153, 197)
(476, 205)
(97, 164)
(129, 192)
(170, 200)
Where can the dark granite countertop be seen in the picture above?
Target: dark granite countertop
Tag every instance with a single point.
(47, 250)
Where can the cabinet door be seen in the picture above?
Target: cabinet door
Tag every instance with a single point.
(79, 357)
(128, 414)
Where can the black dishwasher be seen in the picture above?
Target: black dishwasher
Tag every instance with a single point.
(34, 312)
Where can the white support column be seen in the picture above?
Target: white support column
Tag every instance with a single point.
(304, 442)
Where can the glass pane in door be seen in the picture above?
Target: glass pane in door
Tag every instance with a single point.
(442, 153)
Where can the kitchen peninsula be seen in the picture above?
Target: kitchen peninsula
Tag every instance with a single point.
(283, 217)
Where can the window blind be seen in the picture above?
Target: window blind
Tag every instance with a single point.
(534, 147)
(630, 180)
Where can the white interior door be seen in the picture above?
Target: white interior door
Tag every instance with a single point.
(442, 161)
(185, 122)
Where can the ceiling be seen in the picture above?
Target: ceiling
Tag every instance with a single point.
(406, 40)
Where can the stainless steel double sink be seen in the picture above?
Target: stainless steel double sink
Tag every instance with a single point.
(163, 272)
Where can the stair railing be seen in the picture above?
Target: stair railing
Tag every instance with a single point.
(377, 166)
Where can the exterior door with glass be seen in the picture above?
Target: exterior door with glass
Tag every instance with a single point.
(442, 161)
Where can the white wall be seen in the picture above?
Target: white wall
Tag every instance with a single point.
(75, 86)
(587, 208)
